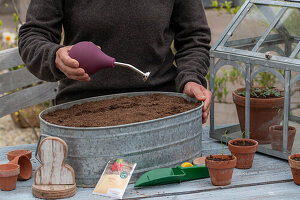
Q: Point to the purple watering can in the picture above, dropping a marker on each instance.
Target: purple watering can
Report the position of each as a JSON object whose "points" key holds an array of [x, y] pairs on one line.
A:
{"points": [[92, 59]]}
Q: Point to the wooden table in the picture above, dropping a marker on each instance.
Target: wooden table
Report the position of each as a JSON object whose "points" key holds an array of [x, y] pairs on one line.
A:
{"points": [[269, 178]]}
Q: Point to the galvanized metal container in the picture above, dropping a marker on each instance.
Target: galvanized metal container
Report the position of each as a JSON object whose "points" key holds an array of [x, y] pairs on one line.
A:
{"points": [[152, 144]]}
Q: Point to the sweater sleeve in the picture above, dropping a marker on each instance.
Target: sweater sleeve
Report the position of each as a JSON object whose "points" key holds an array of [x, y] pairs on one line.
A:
{"points": [[39, 38], [192, 42]]}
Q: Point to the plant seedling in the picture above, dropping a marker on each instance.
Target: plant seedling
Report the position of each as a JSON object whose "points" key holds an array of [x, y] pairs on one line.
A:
{"points": [[280, 110], [267, 92], [243, 137], [226, 138], [281, 114]]}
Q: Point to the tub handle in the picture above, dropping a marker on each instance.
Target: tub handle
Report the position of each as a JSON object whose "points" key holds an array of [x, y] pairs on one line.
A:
{"points": [[37, 147]]}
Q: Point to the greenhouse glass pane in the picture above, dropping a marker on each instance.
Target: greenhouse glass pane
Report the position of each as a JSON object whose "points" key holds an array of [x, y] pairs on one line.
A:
{"points": [[290, 21], [253, 26], [296, 50], [287, 35]]}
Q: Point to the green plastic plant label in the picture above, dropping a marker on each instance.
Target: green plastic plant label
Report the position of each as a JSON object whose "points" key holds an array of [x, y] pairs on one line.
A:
{"points": [[115, 178]]}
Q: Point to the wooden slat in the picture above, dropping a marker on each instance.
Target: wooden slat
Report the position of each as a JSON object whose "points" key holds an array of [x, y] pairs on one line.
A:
{"points": [[28, 97], [16, 79], [269, 178], [275, 191], [10, 58], [266, 171]]}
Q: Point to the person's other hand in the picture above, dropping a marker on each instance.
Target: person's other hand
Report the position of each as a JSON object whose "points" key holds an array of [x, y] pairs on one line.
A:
{"points": [[68, 66], [196, 90]]}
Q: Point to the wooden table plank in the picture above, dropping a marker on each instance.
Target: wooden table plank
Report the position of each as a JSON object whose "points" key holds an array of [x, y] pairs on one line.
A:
{"points": [[267, 172], [279, 191]]}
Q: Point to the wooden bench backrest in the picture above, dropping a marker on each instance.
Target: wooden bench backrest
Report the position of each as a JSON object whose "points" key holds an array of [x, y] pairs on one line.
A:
{"points": [[19, 81]]}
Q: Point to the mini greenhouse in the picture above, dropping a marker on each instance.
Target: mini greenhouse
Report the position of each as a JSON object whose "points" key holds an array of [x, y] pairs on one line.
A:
{"points": [[271, 43]]}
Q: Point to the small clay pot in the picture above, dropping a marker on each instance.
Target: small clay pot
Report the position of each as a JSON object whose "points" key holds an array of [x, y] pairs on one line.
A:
{"points": [[276, 133], [220, 172], [199, 161], [295, 167], [12, 154], [244, 154], [25, 167], [8, 176]]}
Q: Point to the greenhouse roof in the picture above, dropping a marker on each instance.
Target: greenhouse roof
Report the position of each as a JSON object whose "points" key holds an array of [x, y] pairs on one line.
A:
{"points": [[267, 31]]}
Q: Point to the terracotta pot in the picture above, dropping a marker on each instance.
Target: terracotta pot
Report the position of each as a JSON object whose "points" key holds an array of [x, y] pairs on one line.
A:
{"points": [[276, 133], [244, 154], [12, 154], [8, 176], [199, 161], [295, 167], [28, 117], [25, 167], [263, 114], [220, 172]]}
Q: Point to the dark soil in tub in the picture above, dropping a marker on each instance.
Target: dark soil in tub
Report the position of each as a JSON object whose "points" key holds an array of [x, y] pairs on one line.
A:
{"points": [[122, 110]]}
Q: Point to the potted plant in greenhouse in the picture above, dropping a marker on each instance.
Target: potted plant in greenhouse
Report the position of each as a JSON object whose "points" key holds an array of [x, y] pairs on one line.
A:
{"points": [[244, 150], [294, 162], [264, 105], [220, 167]]}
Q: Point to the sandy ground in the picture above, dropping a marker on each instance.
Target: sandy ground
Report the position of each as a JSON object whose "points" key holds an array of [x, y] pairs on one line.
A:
{"points": [[12, 135], [224, 113]]}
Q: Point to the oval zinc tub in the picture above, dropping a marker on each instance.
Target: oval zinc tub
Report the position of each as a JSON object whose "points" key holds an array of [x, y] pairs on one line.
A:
{"points": [[163, 142]]}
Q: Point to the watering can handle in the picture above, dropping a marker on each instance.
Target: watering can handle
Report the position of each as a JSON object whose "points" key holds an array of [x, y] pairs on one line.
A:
{"points": [[37, 147]]}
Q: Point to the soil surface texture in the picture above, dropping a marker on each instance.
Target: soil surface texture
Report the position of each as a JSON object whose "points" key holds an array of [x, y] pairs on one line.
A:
{"points": [[296, 158], [243, 143], [117, 111], [211, 157]]}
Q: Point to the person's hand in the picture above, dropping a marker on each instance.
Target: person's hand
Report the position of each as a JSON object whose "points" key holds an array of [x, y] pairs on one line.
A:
{"points": [[196, 90], [68, 66]]}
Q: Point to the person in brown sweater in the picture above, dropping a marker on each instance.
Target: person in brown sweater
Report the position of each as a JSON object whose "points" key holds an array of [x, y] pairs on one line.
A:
{"points": [[136, 32]]}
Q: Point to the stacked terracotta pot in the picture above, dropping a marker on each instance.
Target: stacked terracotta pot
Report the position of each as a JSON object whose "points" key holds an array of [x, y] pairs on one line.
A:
{"points": [[18, 168]]}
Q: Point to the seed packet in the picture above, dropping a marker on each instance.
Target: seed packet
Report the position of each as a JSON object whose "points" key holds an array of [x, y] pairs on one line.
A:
{"points": [[115, 178]]}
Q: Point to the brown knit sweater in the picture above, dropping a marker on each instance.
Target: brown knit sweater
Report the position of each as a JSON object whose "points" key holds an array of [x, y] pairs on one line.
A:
{"points": [[138, 32]]}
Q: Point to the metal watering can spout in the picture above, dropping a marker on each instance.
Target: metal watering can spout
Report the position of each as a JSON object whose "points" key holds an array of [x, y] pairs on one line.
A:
{"points": [[92, 59]]}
